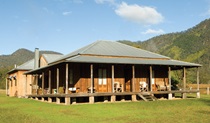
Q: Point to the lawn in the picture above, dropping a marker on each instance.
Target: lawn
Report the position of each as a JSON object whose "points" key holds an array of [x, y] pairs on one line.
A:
{"points": [[14, 110]]}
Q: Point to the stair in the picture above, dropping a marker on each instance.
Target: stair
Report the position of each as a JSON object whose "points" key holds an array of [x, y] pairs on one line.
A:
{"points": [[147, 96]]}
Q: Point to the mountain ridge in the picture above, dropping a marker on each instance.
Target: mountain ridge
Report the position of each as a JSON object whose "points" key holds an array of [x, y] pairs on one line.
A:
{"points": [[18, 57], [192, 45]]}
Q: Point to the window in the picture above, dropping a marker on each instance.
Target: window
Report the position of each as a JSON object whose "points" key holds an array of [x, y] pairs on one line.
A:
{"points": [[102, 77]]}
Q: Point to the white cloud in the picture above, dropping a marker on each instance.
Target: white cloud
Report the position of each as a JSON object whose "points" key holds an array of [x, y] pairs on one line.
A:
{"points": [[152, 31], [139, 14], [105, 1], [66, 13]]}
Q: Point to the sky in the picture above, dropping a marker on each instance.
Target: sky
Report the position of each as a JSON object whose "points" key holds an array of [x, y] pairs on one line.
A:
{"points": [[67, 25]]}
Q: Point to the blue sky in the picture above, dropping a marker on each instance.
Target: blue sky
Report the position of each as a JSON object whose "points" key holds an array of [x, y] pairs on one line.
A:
{"points": [[66, 25]]}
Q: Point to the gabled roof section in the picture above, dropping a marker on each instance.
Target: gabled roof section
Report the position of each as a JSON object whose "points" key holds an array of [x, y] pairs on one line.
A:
{"points": [[51, 57], [29, 65], [110, 48]]}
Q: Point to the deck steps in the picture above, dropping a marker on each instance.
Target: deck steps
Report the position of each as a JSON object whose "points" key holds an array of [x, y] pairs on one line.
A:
{"points": [[147, 96]]}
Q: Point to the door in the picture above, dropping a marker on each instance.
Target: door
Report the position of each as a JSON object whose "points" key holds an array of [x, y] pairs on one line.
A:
{"points": [[102, 80]]}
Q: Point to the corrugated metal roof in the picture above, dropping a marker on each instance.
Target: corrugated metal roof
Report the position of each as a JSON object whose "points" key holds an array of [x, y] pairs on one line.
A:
{"points": [[109, 48], [51, 57], [119, 60], [29, 65], [116, 53]]}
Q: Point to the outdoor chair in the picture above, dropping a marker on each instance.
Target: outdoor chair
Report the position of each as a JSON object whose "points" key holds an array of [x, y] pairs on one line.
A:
{"points": [[142, 86], [161, 88], [117, 87]]}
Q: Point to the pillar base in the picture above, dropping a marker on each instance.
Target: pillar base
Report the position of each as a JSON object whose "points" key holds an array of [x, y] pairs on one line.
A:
{"points": [[67, 101], [184, 96], [134, 97], [49, 99], [198, 95], [42, 99], [58, 100], [170, 97], [91, 99], [113, 98]]}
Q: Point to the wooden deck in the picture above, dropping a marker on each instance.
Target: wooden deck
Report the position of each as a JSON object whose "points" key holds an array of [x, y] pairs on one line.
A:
{"points": [[110, 94], [106, 97]]}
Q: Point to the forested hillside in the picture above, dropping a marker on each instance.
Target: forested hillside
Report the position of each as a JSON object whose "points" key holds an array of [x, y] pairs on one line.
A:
{"points": [[192, 45], [19, 57]]}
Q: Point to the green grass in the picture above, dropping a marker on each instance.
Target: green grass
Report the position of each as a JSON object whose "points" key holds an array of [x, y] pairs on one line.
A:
{"points": [[14, 110]]}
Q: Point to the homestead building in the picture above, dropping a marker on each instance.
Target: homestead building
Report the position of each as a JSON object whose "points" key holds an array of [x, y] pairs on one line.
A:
{"points": [[16, 81], [101, 71]]}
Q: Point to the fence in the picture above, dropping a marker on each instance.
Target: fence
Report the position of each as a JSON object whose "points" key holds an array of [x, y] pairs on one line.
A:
{"points": [[204, 88]]}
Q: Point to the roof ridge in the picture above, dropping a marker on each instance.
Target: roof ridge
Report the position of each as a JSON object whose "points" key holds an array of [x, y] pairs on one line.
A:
{"points": [[77, 52], [89, 46]]}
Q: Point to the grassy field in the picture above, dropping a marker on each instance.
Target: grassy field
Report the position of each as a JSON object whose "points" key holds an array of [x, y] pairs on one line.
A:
{"points": [[14, 110]]}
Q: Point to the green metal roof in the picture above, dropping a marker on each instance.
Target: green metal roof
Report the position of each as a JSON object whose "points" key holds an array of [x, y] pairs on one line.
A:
{"points": [[51, 57], [115, 52], [108, 52], [109, 48], [29, 65]]}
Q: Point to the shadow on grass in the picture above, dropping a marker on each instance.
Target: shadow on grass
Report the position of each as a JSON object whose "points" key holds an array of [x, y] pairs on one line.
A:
{"points": [[188, 96], [191, 96], [206, 101]]}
